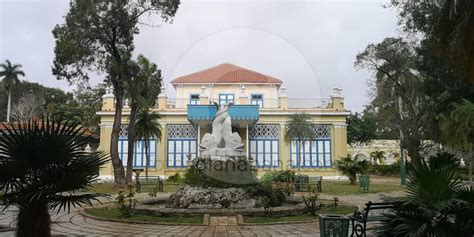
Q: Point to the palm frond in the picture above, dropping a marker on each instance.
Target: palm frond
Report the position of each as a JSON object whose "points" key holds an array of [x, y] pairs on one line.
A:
{"points": [[64, 202], [44, 160]]}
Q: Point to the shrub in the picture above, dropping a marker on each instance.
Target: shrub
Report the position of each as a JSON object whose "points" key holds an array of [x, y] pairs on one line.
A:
{"points": [[126, 203], [437, 204], [312, 203], [444, 160], [379, 169], [284, 176], [274, 196], [283, 180], [176, 178], [154, 191], [351, 167]]}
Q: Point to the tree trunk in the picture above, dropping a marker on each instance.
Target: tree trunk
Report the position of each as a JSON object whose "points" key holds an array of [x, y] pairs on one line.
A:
{"points": [[9, 104], [132, 132], [34, 220], [119, 172], [413, 149], [147, 156], [352, 179]]}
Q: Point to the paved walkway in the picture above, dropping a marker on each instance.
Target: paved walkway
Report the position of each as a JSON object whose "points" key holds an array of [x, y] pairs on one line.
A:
{"points": [[73, 224]]}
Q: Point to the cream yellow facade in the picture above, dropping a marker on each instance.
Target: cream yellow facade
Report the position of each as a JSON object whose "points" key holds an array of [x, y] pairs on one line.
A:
{"points": [[262, 133]]}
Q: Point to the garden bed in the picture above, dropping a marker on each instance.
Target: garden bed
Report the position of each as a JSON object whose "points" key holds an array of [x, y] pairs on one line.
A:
{"points": [[272, 219], [113, 214], [155, 207]]}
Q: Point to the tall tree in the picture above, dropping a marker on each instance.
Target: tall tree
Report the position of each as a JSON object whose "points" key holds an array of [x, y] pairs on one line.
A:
{"points": [[458, 131], [396, 87], [361, 128], [147, 127], [142, 91], [43, 166], [10, 73], [98, 35], [447, 24], [299, 129], [28, 108]]}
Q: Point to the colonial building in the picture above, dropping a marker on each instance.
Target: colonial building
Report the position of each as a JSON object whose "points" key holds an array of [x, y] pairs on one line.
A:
{"points": [[259, 114]]}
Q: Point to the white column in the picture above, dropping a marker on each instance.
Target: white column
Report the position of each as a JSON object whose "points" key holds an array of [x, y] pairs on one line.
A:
{"points": [[199, 140], [247, 141]]}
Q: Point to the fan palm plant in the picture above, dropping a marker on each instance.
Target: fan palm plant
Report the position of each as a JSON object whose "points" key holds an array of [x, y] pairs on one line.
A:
{"points": [[437, 204], [10, 73], [378, 156], [299, 129], [43, 166], [351, 167], [147, 127]]}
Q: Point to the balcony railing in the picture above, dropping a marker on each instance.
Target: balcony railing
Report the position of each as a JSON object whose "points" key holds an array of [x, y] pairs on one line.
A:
{"points": [[293, 103], [236, 112]]}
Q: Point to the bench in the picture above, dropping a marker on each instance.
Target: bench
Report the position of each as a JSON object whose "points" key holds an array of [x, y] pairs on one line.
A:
{"points": [[369, 214], [307, 183], [152, 183], [301, 182]]}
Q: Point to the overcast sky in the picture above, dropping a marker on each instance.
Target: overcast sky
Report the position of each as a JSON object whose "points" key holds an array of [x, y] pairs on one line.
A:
{"points": [[310, 45]]}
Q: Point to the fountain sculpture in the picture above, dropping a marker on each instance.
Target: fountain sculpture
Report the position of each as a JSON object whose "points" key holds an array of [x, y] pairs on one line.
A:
{"points": [[220, 173], [221, 144]]}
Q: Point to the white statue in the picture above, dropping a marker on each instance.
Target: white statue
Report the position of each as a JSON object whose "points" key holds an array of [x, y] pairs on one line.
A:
{"points": [[221, 143]]}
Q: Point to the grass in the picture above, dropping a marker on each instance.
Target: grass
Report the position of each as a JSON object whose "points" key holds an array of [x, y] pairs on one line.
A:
{"points": [[340, 210], [109, 188], [114, 214], [345, 188]]}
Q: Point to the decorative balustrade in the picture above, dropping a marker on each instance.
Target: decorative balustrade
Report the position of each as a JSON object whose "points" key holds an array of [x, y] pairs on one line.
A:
{"points": [[293, 103]]}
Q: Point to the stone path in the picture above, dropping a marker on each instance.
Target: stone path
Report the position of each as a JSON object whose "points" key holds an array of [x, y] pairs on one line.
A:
{"points": [[75, 224]]}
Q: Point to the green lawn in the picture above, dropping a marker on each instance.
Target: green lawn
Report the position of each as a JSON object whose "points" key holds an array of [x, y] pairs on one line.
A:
{"points": [[113, 214], [109, 188], [344, 187], [340, 210]]}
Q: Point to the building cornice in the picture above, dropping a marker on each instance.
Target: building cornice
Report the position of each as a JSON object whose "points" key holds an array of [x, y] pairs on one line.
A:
{"points": [[266, 113]]}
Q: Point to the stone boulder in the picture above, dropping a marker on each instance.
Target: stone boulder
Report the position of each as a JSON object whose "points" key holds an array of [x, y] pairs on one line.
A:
{"points": [[197, 197]]}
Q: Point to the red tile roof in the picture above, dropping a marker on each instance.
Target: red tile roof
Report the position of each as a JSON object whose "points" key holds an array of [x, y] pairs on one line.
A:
{"points": [[226, 73]]}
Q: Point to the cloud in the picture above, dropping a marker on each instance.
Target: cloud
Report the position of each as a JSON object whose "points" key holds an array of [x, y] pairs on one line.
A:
{"points": [[310, 45]]}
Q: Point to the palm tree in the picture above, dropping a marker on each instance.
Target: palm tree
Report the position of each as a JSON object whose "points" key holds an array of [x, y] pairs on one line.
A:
{"points": [[458, 130], [147, 127], [142, 91], [351, 167], [300, 129], [43, 166], [378, 156], [10, 73], [437, 204]]}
